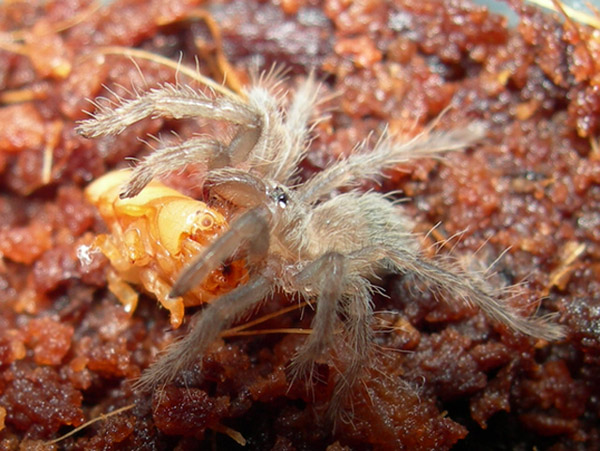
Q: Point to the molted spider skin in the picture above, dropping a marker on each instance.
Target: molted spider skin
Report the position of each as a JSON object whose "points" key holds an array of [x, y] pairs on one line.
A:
{"points": [[298, 237], [152, 237]]}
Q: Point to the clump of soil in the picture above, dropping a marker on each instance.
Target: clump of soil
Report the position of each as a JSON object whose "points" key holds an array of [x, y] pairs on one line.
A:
{"points": [[445, 375]]}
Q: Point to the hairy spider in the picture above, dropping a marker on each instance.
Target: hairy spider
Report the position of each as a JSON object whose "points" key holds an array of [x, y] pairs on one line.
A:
{"points": [[304, 238]]}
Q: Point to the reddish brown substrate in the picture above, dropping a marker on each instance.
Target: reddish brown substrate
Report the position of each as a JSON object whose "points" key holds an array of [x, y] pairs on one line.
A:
{"points": [[68, 351]]}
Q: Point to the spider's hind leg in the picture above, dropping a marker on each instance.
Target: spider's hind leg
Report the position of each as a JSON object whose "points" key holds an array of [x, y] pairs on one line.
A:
{"points": [[449, 276]]}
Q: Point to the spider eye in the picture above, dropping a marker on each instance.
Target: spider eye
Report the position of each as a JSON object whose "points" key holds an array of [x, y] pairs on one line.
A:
{"points": [[282, 200], [280, 197]]}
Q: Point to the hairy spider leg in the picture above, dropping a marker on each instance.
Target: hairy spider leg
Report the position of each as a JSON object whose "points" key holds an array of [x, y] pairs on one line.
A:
{"points": [[358, 310], [468, 287], [168, 100], [338, 289], [206, 326], [250, 231], [368, 164], [326, 276], [179, 102]]}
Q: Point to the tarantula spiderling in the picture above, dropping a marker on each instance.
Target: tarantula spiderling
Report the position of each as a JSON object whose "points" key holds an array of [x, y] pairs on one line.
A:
{"points": [[300, 238]]}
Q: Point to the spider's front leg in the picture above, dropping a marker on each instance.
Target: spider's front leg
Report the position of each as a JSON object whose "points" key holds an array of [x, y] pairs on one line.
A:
{"points": [[168, 100], [251, 232], [179, 102], [206, 326]]}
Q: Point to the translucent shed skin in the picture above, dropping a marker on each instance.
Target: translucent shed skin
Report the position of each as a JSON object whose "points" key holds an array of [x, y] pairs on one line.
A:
{"points": [[152, 237]]}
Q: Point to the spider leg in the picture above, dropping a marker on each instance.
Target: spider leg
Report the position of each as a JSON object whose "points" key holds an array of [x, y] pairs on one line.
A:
{"points": [[469, 287], [251, 230], [206, 326], [171, 158], [174, 101], [193, 151], [298, 116], [325, 276], [359, 314], [364, 165], [296, 131], [337, 290]]}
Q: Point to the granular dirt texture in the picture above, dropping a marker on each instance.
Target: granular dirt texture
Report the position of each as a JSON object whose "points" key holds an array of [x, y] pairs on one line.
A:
{"points": [[445, 376]]}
